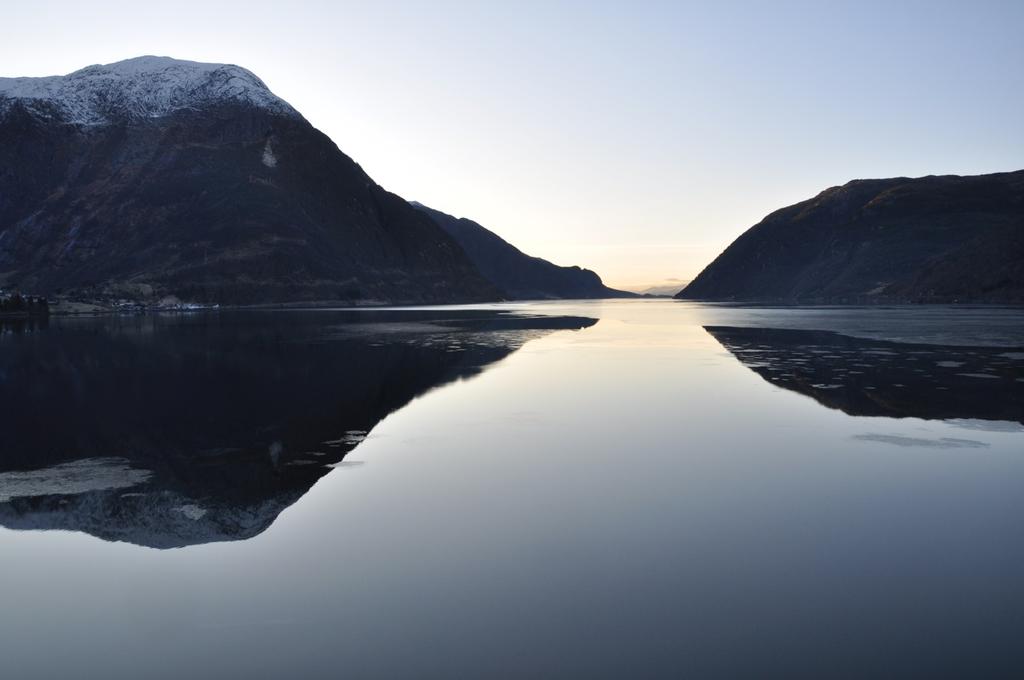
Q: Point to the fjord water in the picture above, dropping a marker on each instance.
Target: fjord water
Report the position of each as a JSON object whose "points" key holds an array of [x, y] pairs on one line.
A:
{"points": [[602, 489]]}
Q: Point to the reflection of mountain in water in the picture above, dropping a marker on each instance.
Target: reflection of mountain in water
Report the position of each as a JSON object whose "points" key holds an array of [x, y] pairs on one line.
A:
{"points": [[877, 378], [172, 431]]}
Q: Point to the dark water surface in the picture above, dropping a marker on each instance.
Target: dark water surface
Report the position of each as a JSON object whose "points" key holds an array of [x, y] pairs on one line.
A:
{"points": [[617, 489]]}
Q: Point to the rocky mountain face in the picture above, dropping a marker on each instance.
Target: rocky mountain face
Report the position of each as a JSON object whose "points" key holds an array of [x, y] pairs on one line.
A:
{"points": [[932, 239], [155, 177], [519, 275]]}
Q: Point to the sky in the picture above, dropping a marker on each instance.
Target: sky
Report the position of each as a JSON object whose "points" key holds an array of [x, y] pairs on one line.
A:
{"points": [[637, 139]]}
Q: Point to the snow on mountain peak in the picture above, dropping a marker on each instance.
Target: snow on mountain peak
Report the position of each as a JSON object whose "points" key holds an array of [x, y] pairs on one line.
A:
{"points": [[143, 87]]}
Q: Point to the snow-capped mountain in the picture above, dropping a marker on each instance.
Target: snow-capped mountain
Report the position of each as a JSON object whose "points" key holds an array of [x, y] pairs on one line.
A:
{"points": [[155, 177], [144, 87]]}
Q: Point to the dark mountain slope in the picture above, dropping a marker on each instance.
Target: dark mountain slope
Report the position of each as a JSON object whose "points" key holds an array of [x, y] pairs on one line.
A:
{"points": [[932, 239], [156, 177], [521, 276]]}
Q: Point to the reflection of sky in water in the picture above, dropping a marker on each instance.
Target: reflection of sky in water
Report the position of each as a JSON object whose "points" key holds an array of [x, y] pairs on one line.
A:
{"points": [[627, 500]]}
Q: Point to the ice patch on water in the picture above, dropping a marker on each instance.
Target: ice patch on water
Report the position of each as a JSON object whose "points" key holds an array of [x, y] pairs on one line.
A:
{"points": [[942, 443], [986, 425], [76, 477]]}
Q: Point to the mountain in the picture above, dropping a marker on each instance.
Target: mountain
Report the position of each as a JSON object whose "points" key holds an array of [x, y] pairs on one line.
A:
{"points": [[931, 239], [154, 176], [519, 275], [664, 289]]}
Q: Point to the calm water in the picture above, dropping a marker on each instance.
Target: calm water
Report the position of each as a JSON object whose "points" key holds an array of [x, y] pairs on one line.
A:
{"points": [[609, 489]]}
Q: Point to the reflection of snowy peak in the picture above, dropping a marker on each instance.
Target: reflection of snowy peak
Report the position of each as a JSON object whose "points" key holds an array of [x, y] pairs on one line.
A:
{"points": [[144, 87], [159, 518]]}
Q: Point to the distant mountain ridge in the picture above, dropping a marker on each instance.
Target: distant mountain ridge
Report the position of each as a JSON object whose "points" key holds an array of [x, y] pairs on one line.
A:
{"points": [[159, 177], [664, 289], [932, 239], [520, 276]]}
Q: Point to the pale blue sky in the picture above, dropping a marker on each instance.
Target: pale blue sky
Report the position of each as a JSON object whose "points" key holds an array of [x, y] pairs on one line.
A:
{"points": [[636, 138]]}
